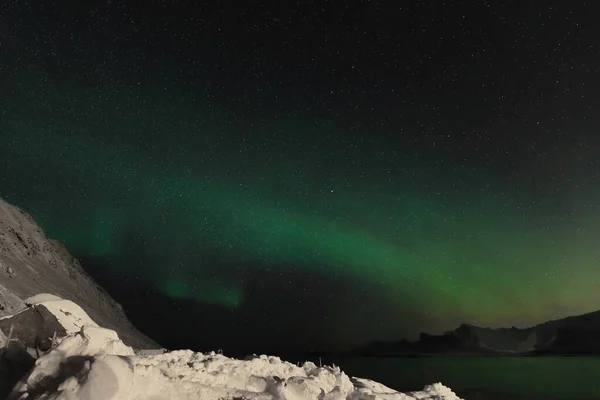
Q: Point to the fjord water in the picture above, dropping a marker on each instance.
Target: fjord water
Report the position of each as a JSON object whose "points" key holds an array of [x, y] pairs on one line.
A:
{"points": [[485, 378]]}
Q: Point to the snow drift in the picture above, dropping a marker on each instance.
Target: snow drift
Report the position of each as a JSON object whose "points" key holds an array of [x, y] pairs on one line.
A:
{"points": [[91, 362]]}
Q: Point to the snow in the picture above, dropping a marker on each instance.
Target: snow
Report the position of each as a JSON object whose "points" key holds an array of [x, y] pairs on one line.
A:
{"points": [[93, 363], [69, 315], [41, 298], [3, 340]]}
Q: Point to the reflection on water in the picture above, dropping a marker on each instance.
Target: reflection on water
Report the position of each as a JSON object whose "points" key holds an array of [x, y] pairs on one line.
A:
{"points": [[485, 378]]}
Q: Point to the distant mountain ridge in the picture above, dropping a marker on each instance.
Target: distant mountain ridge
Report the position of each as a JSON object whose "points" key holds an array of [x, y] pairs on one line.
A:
{"points": [[30, 263], [572, 335]]}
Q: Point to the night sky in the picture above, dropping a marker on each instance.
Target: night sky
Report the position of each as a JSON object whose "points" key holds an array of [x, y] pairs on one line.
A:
{"points": [[302, 175]]}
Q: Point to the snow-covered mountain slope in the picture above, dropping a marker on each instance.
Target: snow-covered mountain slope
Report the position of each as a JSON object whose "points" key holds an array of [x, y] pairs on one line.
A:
{"points": [[93, 363], [30, 263]]}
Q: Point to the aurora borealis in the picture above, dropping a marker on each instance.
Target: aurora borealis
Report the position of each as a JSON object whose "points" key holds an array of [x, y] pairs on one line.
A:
{"points": [[269, 182]]}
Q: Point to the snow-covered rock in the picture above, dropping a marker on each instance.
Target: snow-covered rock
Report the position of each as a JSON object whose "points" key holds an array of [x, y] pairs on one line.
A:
{"points": [[93, 363], [31, 263], [71, 317], [45, 317]]}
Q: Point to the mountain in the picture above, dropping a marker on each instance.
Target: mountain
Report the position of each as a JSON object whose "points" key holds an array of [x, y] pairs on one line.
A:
{"points": [[572, 335], [31, 263]]}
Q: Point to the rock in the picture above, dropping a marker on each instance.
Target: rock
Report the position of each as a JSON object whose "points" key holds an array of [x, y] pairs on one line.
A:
{"points": [[35, 327]]}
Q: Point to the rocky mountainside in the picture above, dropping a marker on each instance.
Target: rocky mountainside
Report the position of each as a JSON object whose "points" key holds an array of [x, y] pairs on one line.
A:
{"points": [[30, 263], [573, 335]]}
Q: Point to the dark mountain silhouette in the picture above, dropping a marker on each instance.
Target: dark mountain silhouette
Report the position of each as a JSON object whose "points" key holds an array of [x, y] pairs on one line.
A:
{"points": [[572, 335]]}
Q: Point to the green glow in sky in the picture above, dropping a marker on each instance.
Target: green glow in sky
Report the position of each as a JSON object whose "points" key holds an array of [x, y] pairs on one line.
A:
{"points": [[454, 249]]}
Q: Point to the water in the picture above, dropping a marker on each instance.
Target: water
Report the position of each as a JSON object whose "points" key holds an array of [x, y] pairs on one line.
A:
{"points": [[485, 378]]}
